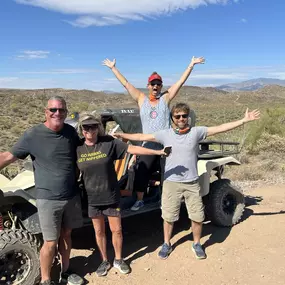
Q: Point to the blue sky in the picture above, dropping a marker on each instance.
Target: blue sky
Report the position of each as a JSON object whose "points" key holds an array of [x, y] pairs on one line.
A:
{"points": [[52, 43]]}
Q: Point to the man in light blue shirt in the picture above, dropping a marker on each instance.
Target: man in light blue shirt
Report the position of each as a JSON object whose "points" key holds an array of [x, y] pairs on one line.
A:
{"points": [[181, 174]]}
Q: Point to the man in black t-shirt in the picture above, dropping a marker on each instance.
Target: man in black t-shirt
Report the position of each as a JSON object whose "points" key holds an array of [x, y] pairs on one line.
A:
{"points": [[52, 147]]}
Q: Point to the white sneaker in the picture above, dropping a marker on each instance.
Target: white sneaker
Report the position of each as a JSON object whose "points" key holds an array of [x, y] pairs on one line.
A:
{"points": [[138, 204]]}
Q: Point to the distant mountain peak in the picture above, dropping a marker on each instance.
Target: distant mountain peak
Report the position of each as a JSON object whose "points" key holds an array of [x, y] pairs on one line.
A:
{"points": [[251, 85]]}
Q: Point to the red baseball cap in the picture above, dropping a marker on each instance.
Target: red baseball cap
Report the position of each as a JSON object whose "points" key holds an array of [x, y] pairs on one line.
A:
{"points": [[154, 76]]}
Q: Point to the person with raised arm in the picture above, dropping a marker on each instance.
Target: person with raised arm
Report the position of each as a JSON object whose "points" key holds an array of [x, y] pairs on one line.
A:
{"points": [[154, 115], [181, 174]]}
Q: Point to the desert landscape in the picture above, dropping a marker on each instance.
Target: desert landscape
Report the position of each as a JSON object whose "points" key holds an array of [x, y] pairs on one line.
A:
{"points": [[251, 252], [262, 143]]}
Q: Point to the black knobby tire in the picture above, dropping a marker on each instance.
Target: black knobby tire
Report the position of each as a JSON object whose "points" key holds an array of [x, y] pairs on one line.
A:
{"points": [[19, 257], [225, 203]]}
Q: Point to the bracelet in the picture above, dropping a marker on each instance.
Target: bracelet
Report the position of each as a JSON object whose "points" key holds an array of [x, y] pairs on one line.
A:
{"points": [[190, 67], [125, 83]]}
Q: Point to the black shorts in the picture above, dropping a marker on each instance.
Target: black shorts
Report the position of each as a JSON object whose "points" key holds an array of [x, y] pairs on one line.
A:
{"points": [[106, 210]]}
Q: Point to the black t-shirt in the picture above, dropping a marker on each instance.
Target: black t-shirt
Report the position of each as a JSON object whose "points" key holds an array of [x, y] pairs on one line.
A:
{"points": [[54, 160], [96, 164]]}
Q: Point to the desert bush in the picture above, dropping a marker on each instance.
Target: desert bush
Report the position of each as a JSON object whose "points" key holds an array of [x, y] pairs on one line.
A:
{"points": [[269, 130], [245, 173], [268, 143], [17, 130]]}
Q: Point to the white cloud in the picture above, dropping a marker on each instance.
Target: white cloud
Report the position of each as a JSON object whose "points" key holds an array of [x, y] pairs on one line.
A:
{"points": [[33, 54], [111, 79], [243, 20], [5, 80], [27, 83], [116, 12], [278, 75], [219, 76], [87, 21], [62, 71]]}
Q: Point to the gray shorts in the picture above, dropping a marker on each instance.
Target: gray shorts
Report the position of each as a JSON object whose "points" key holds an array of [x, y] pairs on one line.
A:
{"points": [[172, 195], [107, 210], [55, 215]]}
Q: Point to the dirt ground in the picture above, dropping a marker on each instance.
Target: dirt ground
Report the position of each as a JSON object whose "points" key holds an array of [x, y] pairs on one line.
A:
{"points": [[252, 252]]}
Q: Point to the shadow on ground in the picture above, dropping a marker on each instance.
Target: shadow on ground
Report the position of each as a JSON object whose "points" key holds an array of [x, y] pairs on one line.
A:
{"points": [[143, 234]]}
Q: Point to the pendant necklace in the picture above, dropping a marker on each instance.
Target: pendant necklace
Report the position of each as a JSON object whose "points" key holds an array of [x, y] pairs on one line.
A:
{"points": [[153, 113]]}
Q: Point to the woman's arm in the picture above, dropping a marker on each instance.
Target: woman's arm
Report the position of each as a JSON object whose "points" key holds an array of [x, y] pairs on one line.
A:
{"points": [[135, 137], [134, 92], [174, 89], [138, 150]]}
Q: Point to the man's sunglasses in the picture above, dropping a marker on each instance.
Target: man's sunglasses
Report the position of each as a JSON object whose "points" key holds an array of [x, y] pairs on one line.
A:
{"points": [[60, 110], [177, 117], [153, 83], [87, 128]]}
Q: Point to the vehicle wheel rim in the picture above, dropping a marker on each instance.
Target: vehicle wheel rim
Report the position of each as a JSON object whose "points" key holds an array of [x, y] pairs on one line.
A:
{"points": [[229, 204], [15, 266]]}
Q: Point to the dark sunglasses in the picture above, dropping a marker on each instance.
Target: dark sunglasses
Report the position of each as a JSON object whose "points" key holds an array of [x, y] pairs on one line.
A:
{"points": [[177, 117], [60, 110], [158, 83], [87, 128]]}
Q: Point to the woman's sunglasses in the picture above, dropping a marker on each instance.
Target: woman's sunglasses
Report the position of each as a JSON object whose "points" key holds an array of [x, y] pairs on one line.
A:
{"points": [[177, 117], [156, 82], [87, 128]]}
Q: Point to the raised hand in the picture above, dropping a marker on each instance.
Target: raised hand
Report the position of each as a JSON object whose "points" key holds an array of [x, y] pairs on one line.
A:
{"points": [[107, 62], [197, 60], [251, 116]]}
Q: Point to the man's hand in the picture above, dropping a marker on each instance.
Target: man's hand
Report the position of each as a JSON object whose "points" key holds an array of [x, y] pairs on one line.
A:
{"points": [[109, 63], [251, 116], [197, 60]]}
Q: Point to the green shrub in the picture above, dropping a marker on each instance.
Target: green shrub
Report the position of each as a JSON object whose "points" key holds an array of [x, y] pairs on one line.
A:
{"points": [[270, 124]]}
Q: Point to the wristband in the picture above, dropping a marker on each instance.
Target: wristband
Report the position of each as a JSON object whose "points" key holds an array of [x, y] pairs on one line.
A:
{"points": [[125, 83]]}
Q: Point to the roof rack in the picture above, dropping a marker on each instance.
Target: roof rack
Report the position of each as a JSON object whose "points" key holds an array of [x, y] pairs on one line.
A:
{"points": [[216, 149]]}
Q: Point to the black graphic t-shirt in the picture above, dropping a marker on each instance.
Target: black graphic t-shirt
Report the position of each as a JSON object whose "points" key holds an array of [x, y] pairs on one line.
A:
{"points": [[96, 164]]}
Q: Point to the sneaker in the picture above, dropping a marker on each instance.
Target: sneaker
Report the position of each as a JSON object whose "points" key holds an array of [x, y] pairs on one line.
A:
{"points": [[70, 278], [48, 282], [138, 204], [199, 251], [122, 266], [165, 251], [103, 268]]}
